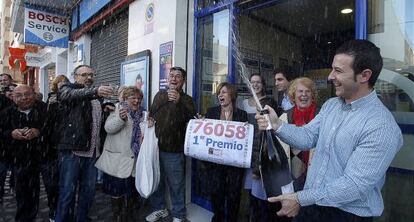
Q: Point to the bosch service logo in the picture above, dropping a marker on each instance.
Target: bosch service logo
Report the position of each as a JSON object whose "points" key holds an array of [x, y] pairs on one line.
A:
{"points": [[48, 36], [149, 12]]}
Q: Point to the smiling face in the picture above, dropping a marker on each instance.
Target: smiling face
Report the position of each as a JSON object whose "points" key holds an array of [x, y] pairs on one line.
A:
{"points": [[257, 84], [84, 75], [175, 80], [24, 97], [303, 96], [134, 101], [224, 97], [345, 81]]}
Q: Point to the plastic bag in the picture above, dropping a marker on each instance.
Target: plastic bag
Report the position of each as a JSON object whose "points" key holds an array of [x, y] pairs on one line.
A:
{"points": [[147, 171]]}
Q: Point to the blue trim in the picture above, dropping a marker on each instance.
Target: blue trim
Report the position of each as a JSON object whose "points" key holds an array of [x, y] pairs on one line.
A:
{"points": [[361, 19], [46, 9], [30, 37], [407, 128], [212, 9], [260, 6], [400, 170], [196, 78], [231, 76]]}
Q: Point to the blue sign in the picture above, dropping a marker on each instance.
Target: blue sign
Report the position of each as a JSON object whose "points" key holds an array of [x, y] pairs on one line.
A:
{"points": [[88, 8], [45, 28], [75, 18]]}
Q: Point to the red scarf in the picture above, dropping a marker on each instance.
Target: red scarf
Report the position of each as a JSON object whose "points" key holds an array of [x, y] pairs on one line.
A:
{"points": [[302, 117]]}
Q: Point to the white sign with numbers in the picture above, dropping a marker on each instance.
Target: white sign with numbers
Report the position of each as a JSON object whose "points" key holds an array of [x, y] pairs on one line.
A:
{"points": [[219, 141]]}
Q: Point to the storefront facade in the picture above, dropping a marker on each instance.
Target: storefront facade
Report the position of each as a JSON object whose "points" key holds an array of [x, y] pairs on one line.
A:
{"points": [[302, 36]]}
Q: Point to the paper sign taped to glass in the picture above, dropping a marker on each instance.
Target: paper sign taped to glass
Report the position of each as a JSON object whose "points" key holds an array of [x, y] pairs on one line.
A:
{"points": [[219, 141]]}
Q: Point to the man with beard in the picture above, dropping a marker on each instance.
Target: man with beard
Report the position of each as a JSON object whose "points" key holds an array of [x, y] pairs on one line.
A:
{"points": [[356, 138], [78, 141]]}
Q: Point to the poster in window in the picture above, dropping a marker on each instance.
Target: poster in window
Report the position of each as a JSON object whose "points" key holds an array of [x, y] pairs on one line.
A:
{"points": [[135, 72], [166, 50]]}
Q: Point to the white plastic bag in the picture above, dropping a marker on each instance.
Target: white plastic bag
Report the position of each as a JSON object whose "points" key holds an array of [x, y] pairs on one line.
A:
{"points": [[147, 171]]}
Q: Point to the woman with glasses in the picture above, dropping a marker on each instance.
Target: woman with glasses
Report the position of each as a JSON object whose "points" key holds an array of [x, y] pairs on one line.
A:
{"points": [[121, 149], [260, 208]]}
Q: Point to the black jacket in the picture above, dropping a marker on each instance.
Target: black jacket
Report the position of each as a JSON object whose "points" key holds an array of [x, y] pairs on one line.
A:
{"points": [[4, 103], [22, 152], [74, 117]]}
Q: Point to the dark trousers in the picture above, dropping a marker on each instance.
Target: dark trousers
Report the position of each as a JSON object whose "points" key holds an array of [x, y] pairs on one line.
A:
{"points": [[264, 211], [315, 213], [27, 192], [3, 173], [225, 195], [50, 176]]}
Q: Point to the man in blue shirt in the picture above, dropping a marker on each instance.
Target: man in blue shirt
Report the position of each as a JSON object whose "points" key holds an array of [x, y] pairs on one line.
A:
{"points": [[356, 138]]}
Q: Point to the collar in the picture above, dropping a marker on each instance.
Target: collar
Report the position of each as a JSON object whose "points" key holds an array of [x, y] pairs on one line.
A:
{"points": [[361, 102]]}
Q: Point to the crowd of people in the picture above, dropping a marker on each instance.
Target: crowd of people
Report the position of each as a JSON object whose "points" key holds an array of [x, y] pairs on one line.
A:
{"points": [[338, 152]]}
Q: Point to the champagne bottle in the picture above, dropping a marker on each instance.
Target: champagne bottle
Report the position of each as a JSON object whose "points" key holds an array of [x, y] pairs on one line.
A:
{"points": [[273, 164]]}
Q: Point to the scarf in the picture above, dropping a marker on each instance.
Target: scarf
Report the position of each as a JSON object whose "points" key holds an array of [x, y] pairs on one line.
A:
{"points": [[136, 130], [302, 117]]}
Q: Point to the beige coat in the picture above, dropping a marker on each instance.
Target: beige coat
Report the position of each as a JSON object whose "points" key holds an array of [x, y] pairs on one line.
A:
{"points": [[117, 158]]}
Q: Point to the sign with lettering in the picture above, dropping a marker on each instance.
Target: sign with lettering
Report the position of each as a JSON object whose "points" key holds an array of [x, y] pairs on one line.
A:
{"points": [[219, 141], [45, 28]]}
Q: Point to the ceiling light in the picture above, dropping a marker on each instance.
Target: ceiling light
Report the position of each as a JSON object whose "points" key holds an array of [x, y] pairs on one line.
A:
{"points": [[346, 11]]}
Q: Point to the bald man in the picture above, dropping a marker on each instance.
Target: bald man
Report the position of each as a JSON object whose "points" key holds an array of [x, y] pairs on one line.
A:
{"points": [[21, 130]]}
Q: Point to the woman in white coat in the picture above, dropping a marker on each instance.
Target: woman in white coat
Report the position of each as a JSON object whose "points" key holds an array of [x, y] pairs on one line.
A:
{"points": [[121, 148]]}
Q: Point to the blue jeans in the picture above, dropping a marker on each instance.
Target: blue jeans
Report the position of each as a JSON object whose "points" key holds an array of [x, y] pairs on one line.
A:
{"points": [[172, 172], [75, 170]]}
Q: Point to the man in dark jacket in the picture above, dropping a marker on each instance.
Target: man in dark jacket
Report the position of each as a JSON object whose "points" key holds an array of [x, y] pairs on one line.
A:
{"points": [[78, 142], [22, 129], [4, 103], [171, 110]]}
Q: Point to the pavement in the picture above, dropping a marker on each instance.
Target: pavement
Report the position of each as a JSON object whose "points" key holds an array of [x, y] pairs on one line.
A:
{"points": [[100, 211]]}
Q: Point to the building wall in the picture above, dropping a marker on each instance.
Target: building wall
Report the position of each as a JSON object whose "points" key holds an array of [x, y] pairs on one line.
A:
{"points": [[6, 36], [169, 24]]}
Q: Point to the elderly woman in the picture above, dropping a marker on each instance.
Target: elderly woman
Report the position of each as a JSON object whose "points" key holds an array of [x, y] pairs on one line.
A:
{"points": [[121, 148], [225, 182], [302, 92]]}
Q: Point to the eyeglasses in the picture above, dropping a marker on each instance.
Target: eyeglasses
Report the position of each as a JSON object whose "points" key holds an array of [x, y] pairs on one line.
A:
{"points": [[255, 82], [19, 96], [90, 74], [134, 98]]}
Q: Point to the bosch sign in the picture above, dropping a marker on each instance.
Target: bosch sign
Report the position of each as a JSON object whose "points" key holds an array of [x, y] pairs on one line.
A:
{"points": [[44, 28]]}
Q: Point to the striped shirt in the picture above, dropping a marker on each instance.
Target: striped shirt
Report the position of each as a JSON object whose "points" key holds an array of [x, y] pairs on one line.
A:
{"points": [[355, 144], [95, 134]]}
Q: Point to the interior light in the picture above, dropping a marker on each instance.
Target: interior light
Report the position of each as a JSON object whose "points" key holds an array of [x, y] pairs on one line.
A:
{"points": [[346, 11]]}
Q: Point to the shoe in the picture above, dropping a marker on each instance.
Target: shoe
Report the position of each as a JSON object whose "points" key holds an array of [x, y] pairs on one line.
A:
{"points": [[156, 215], [178, 220]]}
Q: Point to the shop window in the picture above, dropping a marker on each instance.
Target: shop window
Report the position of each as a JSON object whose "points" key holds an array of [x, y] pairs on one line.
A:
{"points": [[390, 27]]}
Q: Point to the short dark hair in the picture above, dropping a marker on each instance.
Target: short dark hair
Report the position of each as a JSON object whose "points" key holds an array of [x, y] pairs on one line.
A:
{"points": [[80, 66], [177, 68], [8, 75], [138, 77], [366, 56], [286, 72]]}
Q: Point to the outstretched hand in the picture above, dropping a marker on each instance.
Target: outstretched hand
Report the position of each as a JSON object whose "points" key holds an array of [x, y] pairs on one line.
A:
{"points": [[290, 204]]}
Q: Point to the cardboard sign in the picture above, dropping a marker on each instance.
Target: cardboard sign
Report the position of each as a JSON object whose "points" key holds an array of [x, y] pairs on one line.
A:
{"points": [[219, 141]]}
